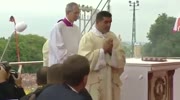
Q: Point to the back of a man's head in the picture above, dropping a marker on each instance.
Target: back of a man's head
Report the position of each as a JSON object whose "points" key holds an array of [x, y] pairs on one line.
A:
{"points": [[75, 69], [54, 74], [42, 76]]}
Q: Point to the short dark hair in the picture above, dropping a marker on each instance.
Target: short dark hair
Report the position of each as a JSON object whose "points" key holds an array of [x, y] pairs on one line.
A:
{"points": [[74, 69], [41, 76], [102, 14], [54, 74]]}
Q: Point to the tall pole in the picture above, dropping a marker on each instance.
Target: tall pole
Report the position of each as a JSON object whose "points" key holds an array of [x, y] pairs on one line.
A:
{"points": [[108, 6], [80, 22], [12, 19], [134, 4], [91, 16], [133, 29], [84, 21]]}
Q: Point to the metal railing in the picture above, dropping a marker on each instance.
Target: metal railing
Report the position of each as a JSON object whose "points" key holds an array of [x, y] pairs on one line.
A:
{"points": [[38, 62], [25, 62]]}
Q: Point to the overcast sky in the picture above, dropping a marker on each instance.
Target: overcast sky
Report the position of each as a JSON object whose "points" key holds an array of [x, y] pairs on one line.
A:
{"points": [[40, 15]]}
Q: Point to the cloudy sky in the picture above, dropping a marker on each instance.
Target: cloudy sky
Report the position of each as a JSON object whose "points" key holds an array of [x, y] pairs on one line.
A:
{"points": [[40, 15]]}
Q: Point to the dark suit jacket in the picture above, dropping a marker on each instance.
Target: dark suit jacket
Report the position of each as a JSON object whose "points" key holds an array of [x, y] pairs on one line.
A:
{"points": [[60, 92], [84, 93], [9, 91], [35, 94]]}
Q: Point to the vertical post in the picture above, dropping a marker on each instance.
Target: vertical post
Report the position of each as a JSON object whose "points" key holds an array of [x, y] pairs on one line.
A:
{"points": [[91, 16], [134, 4], [12, 19], [84, 21], [108, 6], [18, 51], [80, 18], [133, 30], [80, 21]]}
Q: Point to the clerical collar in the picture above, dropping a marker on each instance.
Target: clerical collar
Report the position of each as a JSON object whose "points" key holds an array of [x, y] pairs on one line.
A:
{"points": [[73, 89], [98, 33], [66, 21]]}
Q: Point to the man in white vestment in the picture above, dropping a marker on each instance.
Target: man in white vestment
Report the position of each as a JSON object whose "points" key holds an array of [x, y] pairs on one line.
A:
{"points": [[65, 36], [107, 58]]}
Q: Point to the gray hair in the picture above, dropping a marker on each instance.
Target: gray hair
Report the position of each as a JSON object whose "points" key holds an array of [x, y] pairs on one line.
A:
{"points": [[69, 7]]}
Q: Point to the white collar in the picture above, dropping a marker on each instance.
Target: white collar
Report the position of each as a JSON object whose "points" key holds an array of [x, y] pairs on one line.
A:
{"points": [[98, 33], [73, 89]]}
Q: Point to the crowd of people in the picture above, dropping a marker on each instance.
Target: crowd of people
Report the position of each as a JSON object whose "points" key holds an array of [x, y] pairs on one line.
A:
{"points": [[29, 82]]}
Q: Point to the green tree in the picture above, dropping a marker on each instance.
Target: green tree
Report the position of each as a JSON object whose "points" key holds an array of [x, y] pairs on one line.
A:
{"points": [[3, 42], [163, 41], [127, 49], [30, 47], [146, 49]]}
